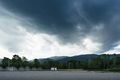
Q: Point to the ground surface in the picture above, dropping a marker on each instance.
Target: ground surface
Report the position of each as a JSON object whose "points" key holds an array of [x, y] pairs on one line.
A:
{"points": [[59, 75]]}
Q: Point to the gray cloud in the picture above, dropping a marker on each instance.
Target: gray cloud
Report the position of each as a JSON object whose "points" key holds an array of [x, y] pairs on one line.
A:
{"points": [[73, 20], [10, 33]]}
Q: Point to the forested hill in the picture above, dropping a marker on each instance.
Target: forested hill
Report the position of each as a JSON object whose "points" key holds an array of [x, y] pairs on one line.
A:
{"points": [[77, 58]]}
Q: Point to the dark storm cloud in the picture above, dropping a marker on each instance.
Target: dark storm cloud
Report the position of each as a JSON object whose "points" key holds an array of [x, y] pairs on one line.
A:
{"points": [[73, 19]]}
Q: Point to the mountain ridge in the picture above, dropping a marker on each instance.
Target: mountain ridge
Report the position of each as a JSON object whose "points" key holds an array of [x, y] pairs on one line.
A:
{"points": [[84, 57]]}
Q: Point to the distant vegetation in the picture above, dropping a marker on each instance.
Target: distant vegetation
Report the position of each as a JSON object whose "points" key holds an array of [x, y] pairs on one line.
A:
{"points": [[92, 62]]}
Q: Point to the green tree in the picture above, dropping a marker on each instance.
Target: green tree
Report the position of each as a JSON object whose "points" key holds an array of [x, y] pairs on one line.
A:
{"points": [[36, 63], [6, 62], [16, 61], [25, 62]]}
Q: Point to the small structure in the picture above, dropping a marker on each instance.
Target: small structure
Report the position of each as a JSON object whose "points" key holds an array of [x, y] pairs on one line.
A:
{"points": [[53, 68], [10, 68], [1, 68]]}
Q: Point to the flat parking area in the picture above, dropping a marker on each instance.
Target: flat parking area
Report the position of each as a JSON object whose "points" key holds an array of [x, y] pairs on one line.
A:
{"points": [[59, 75]]}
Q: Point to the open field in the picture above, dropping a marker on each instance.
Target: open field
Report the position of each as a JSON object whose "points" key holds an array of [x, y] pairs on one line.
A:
{"points": [[59, 75]]}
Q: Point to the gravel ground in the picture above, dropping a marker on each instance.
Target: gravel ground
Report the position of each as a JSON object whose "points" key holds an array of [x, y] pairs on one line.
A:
{"points": [[59, 75]]}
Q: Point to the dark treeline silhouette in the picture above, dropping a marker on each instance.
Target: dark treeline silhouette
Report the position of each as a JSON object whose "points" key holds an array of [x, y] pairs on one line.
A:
{"points": [[18, 62], [102, 62]]}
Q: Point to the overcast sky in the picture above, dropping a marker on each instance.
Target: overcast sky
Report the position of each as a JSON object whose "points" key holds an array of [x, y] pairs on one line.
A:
{"points": [[45, 28]]}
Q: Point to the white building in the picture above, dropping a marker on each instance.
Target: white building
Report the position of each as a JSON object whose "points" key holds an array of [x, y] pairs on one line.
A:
{"points": [[53, 68]]}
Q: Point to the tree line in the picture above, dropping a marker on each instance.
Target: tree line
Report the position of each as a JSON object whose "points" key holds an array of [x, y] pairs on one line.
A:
{"points": [[18, 62], [102, 62]]}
